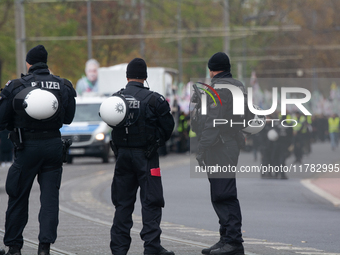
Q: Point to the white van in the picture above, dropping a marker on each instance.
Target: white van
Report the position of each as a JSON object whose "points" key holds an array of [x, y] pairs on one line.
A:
{"points": [[90, 135], [160, 79]]}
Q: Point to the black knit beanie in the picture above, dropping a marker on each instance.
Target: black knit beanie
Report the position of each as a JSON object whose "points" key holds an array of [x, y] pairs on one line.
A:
{"points": [[219, 62], [136, 69], [36, 55]]}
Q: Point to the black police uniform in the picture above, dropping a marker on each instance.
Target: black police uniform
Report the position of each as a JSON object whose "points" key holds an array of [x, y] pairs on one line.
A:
{"points": [[41, 155], [266, 148], [280, 147], [137, 166], [221, 145]]}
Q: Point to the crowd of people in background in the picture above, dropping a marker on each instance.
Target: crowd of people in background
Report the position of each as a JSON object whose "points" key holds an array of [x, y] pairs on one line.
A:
{"points": [[276, 143]]}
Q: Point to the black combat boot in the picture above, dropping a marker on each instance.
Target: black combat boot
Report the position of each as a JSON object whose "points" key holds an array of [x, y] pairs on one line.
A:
{"points": [[162, 252], [14, 250], [217, 245], [229, 249], [44, 249]]}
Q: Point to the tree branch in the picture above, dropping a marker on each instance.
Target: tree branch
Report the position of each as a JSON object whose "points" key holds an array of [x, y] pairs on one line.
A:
{"points": [[8, 5]]}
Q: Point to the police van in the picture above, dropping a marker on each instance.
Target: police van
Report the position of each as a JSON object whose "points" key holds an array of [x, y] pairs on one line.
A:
{"points": [[90, 135]]}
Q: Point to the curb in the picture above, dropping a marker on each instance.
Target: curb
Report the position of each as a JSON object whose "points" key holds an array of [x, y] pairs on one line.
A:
{"points": [[312, 187]]}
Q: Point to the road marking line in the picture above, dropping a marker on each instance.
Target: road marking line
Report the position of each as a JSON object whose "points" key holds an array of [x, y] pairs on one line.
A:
{"points": [[207, 234], [317, 253], [102, 176], [135, 230], [290, 248], [268, 243], [82, 198], [33, 244]]}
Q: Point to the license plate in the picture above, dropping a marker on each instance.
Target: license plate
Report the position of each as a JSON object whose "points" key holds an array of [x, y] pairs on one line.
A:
{"points": [[76, 151]]}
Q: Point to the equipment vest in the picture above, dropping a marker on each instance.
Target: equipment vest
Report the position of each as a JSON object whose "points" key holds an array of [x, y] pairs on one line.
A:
{"points": [[301, 125], [52, 84], [138, 130], [333, 124], [183, 124]]}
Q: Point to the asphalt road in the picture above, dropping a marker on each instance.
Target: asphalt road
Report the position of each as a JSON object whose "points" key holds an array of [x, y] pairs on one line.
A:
{"points": [[279, 216]]}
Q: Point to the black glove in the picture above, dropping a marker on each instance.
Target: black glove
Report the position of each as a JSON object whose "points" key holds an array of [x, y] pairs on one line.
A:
{"points": [[66, 144], [200, 155], [15, 137]]}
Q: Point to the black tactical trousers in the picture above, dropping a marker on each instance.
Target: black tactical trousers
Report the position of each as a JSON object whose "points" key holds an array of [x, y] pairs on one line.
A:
{"points": [[44, 159], [298, 147], [134, 170], [223, 190]]}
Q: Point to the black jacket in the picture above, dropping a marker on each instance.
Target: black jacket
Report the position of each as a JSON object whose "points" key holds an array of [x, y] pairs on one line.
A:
{"points": [[155, 117], [7, 113], [209, 134]]}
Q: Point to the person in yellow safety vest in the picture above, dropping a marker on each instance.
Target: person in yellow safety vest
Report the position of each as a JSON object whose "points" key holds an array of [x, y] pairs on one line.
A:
{"points": [[183, 124], [333, 130], [183, 142], [309, 119], [308, 135], [301, 124]]}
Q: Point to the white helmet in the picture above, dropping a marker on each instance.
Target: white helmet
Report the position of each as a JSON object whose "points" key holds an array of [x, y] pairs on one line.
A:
{"points": [[114, 110], [256, 124], [36, 103], [272, 135]]}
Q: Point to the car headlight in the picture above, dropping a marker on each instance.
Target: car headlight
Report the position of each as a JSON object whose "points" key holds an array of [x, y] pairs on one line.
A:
{"points": [[100, 136]]}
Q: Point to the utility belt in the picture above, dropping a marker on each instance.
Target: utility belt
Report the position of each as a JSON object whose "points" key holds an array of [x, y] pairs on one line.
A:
{"points": [[18, 136], [149, 150], [40, 135]]}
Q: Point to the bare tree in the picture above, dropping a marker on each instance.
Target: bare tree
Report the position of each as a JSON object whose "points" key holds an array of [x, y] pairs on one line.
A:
{"points": [[5, 7]]}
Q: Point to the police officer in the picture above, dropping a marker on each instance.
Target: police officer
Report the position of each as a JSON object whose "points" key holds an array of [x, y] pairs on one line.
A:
{"points": [[266, 148], [282, 145], [38, 148], [299, 132], [333, 130], [220, 145], [137, 163]]}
